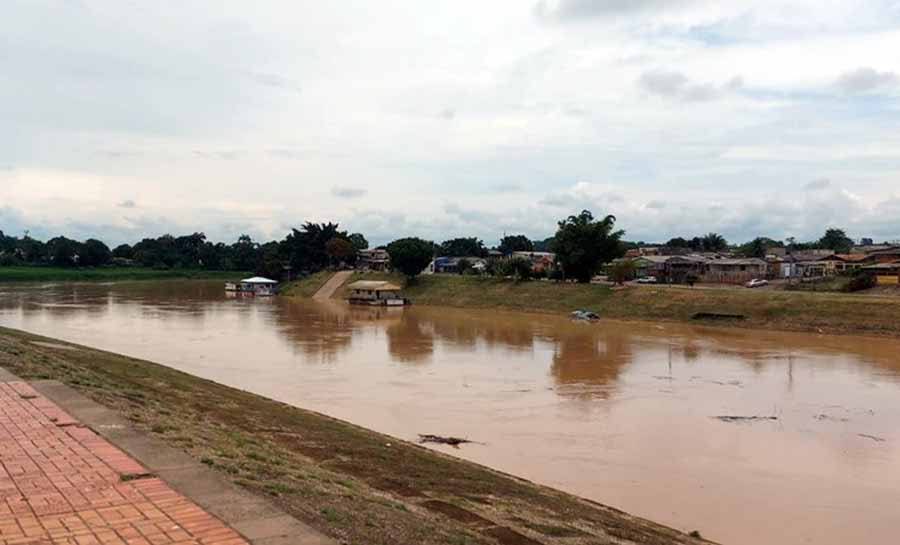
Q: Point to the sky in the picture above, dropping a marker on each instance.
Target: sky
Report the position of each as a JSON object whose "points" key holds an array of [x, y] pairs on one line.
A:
{"points": [[124, 119]]}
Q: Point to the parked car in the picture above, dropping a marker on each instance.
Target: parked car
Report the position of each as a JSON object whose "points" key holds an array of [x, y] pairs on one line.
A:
{"points": [[756, 283], [646, 280]]}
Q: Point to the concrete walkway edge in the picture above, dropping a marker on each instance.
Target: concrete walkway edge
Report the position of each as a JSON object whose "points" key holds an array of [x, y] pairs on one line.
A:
{"points": [[333, 284], [257, 519]]}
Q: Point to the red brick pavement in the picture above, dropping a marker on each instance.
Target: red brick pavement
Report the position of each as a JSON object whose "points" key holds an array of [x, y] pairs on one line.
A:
{"points": [[61, 483]]}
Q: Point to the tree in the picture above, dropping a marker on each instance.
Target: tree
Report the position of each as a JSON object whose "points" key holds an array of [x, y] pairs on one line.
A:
{"points": [[519, 268], [410, 256], [678, 242], [866, 241], [543, 245], [622, 271], [714, 242], [305, 247], [755, 248], [582, 244], [339, 250], [63, 252], [123, 251], [836, 240], [245, 253], [515, 243], [463, 247], [94, 253], [358, 241]]}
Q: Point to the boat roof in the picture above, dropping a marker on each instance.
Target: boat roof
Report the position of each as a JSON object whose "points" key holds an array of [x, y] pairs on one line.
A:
{"points": [[373, 285], [258, 280]]}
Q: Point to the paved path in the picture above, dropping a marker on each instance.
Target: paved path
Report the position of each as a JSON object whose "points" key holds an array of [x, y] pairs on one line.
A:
{"points": [[332, 285], [60, 483]]}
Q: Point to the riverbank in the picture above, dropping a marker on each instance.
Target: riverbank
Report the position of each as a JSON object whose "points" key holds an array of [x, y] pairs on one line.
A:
{"points": [[108, 274], [765, 309], [350, 483]]}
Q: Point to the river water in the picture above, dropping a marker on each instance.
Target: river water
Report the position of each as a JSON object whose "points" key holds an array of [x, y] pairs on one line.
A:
{"points": [[621, 413]]}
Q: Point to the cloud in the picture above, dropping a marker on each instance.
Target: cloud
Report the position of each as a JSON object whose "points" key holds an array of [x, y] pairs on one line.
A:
{"points": [[817, 185], [344, 192], [506, 188], [677, 86], [127, 203], [448, 113], [864, 80], [227, 155], [274, 80], [577, 10]]}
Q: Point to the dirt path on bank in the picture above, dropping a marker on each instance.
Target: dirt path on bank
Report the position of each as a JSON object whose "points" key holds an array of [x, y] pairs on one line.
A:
{"points": [[332, 285]]}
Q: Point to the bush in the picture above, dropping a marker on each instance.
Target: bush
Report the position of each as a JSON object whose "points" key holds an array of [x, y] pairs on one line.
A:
{"points": [[861, 281]]}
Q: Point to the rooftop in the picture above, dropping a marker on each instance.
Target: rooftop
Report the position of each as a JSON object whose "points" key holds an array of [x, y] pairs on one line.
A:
{"points": [[373, 285]]}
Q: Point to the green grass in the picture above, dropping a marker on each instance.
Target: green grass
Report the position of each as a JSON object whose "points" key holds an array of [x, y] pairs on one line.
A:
{"points": [[106, 274], [775, 309], [307, 286]]}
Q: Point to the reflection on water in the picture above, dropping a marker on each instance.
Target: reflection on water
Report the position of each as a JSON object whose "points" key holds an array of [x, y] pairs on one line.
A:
{"points": [[617, 412]]}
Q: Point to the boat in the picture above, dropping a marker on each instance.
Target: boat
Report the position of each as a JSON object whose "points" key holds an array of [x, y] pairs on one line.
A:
{"points": [[257, 285], [376, 293]]}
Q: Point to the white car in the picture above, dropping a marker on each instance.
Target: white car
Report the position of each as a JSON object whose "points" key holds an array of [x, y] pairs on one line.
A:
{"points": [[756, 283], [647, 280]]}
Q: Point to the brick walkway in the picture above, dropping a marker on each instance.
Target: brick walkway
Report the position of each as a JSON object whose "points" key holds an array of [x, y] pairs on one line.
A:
{"points": [[60, 483]]}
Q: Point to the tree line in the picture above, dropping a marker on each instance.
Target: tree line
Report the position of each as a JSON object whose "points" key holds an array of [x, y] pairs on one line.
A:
{"points": [[312, 247]]}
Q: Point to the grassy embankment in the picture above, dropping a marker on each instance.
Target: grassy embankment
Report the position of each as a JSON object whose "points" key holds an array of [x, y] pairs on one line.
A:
{"points": [[107, 274], [308, 286], [772, 309], [358, 486]]}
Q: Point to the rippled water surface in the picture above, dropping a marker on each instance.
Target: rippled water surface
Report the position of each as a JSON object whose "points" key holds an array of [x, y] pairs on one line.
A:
{"points": [[622, 413]]}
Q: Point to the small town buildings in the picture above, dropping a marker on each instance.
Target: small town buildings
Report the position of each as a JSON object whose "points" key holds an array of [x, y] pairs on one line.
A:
{"points": [[375, 292], [451, 265], [736, 271], [887, 274], [373, 260], [845, 263], [885, 255], [540, 261]]}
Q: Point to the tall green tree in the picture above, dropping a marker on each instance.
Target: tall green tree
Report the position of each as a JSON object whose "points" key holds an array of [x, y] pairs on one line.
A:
{"points": [[410, 256], [463, 247], [94, 253], [714, 242], [515, 243], [837, 240], [582, 244], [358, 241], [63, 252]]}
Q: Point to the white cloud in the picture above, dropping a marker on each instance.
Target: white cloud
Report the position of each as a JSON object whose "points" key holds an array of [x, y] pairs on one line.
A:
{"points": [[239, 119]]}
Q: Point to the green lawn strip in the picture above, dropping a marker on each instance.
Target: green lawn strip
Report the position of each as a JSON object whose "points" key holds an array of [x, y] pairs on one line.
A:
{"points": [[354, 484], [826, 312]]}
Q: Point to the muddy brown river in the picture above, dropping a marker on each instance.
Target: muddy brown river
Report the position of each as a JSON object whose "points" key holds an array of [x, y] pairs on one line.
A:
{"points": [[621, 413]]}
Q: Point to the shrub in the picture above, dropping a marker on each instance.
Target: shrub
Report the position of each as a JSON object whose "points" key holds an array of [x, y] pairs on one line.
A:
{"points": [[861, 281]]}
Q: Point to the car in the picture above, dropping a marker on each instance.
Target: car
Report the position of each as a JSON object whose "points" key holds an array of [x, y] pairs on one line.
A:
{"points": [[756, 283], [647, 280]]}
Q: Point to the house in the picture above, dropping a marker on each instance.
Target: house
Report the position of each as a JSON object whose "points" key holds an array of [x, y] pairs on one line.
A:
{"points": [[682, 269], [736, 271], [845, 263], [885, 255], [375, 292], [450, 265], [811, 263], [650, 265], [373, 260], [540, 261], [887, 274]]}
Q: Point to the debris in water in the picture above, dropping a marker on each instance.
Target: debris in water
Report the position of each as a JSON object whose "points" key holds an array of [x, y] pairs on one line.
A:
{"points": [[872, 437], [821, 417], [452, 441], [729, 418], [585, 316]]}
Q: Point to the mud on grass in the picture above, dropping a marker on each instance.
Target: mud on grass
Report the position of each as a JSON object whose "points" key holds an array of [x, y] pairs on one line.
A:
{"points": [[353, 484]]}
